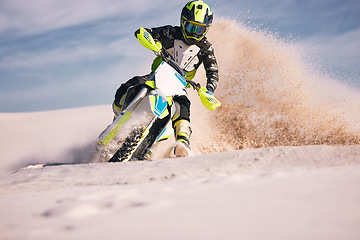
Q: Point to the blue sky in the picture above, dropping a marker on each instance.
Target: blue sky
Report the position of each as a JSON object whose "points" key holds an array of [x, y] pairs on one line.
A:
{"points": [[57, 54]]}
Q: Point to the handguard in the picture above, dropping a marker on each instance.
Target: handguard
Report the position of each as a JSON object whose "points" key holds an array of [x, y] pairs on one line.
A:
{"points": [[208, 100], [146, 40]]}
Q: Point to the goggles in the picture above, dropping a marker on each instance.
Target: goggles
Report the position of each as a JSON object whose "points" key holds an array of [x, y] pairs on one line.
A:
{"points": [[194, 28]]}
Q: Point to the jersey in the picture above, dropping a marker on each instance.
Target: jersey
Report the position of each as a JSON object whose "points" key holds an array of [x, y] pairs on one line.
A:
{"points": [[189, 57]]}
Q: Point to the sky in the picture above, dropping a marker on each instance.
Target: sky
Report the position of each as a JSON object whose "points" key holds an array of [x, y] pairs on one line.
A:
{"points": [[58, 54]]}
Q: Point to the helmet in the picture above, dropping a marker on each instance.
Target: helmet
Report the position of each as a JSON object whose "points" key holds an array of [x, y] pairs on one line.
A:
{"points": [[196, 18]]}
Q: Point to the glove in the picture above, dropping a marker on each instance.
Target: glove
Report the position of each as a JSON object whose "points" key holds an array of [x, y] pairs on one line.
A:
{"points": [[210, 92], [188, 85]]}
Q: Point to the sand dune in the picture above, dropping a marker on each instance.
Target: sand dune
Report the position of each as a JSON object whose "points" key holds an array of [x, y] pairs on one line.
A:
{"points": [[274, 193]]}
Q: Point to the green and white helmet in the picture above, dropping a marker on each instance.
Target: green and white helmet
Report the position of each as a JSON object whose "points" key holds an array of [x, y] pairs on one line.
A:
{"points": [[196, 18]]}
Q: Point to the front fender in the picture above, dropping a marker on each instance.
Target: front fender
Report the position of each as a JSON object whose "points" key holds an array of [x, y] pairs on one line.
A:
{"points": [[158, 104]]}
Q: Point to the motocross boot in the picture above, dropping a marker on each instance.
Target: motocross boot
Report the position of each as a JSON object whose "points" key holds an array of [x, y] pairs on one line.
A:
{"points": [[182, 134]]}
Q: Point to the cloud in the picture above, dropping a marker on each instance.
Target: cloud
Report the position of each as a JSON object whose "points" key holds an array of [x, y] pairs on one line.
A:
{"points": [[341, 51], [65, 55], [81, 43], [37, 16], [344, 45]]}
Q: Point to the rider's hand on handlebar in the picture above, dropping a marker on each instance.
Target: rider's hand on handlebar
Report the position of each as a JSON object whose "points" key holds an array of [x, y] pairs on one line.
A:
{"points": [[210, 92]]}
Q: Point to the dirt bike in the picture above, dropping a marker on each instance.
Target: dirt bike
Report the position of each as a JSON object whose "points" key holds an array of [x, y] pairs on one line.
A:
{"points": [[148, 108]]}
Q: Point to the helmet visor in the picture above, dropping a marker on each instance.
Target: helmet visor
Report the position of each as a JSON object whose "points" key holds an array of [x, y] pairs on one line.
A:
{"points": [[193, 28]]}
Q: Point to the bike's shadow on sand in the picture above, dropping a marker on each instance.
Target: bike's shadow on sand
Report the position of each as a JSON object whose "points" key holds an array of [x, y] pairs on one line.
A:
{"points": [[82, 154]]}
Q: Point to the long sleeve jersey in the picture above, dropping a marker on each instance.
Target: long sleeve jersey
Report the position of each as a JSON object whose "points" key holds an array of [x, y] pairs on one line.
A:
{"points": [[167, 35]]}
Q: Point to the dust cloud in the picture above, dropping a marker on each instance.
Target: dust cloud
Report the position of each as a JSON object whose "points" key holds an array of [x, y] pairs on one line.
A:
{"points": [[271, 96]]}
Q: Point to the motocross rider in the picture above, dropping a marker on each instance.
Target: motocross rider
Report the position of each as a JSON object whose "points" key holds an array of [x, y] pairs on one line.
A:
{"points": [[196, 18]]}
